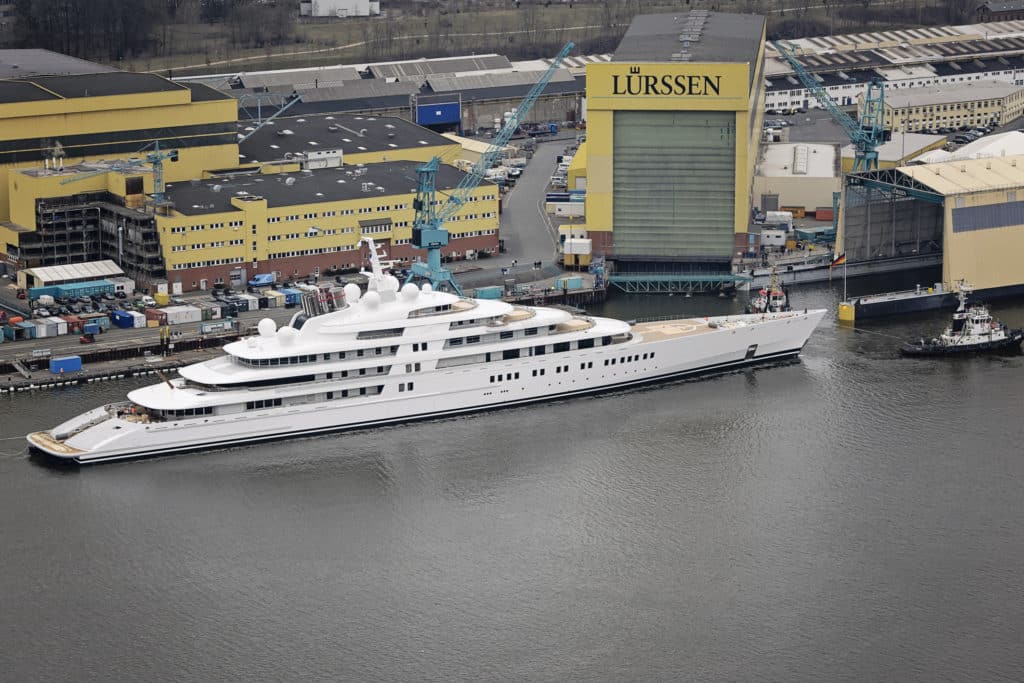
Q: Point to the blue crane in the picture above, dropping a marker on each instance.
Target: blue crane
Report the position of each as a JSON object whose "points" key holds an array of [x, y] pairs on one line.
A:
{"points": [[428, 230], [866, 136]]}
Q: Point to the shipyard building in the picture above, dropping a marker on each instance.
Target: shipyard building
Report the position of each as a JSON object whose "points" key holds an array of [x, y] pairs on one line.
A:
{"points": [[674, 126]]}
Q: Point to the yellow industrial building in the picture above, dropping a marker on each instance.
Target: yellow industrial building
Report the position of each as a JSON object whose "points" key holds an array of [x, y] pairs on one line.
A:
{"points": [[673, 130], [944, 108], [63, 120], [76, 183]]}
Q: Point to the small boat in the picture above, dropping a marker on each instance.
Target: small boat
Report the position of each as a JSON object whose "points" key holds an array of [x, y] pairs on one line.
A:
{"points": [[972, 331], [772, 299]]}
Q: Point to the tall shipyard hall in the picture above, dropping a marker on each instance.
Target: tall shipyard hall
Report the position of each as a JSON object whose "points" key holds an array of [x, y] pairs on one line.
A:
{"points": [[674, 127]]}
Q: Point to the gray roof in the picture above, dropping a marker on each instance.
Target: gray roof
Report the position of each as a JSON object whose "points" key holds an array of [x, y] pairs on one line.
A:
{"points": [[108, 83], [943, 94], [353, 134], [36, 62], [352, 90], [301, 78], [709, 37], [445, 65], [199, 198], [449, 83]]}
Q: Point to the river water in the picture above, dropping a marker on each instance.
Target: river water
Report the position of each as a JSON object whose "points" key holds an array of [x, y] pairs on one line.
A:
{"points": [[851, 516]]}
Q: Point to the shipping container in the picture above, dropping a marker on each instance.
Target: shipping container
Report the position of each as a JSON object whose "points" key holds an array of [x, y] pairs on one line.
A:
{"points": [[65, 364], [157, 314], [569, 283], [138, 318], [162, 298], [225, 325], [122, 319], [797, 211], [91, 328], [494, 292], [60, 323], [181, 315], [28, 330], [100, 319], [77, 289], [74, 324], [824, 213]]}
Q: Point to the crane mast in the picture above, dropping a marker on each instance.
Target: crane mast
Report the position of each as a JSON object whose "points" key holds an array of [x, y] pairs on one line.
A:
{"points": [[866, 136], [428, 230]]}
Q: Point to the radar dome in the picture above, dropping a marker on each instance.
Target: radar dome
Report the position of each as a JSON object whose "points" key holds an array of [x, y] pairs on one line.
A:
{"points": [[427, 287], [410, 291], [286, 336], [267, 327], [352, 292], [371, 299], [390, 283]]}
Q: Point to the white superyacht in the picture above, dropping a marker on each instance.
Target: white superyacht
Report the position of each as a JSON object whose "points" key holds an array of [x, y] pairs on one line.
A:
{"points": [[397, 354]]}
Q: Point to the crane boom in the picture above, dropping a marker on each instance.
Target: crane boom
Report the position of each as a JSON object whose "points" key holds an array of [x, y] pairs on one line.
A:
{"points": [[867, 135], [428, 226]]}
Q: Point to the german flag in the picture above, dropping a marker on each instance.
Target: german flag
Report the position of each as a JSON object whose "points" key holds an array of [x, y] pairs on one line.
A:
{"points": [[839, 260]]}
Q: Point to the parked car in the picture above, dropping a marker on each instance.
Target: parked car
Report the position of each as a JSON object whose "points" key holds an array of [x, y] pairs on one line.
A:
{"points": [[88, 338], [120, 295]]}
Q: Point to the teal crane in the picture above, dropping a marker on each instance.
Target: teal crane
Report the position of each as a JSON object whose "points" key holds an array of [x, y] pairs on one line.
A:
{"points": [[428, 230], [155, 158], [866, 136]]}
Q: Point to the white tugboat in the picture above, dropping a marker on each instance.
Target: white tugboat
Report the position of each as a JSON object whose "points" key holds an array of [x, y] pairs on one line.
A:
{"points": [[772, 299], [972, 330]]}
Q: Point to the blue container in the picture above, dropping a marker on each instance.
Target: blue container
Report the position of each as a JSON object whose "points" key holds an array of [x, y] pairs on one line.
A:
{"points": [[489, 292], [122, 319], [36, 292], [65, 365], [91, 328], [29, 330]]}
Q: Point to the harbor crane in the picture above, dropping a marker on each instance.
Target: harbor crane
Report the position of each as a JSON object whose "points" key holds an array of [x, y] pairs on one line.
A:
{"points": [[155, 158], [866, 136], [428, 230]]}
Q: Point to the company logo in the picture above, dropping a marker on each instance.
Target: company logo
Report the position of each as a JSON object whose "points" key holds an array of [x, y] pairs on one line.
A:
{"points": [[636, 83]]}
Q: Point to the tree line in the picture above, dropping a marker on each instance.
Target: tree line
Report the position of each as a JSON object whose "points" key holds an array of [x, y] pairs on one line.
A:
{"points": [[113, 30]]}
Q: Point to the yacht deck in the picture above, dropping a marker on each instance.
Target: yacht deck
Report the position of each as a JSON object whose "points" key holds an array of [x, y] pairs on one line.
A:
{"points": [[671, 329]]}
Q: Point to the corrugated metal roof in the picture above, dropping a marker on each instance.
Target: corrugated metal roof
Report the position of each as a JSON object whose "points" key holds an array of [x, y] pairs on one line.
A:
{"points": [[969, 175], [301, 78], [96, 270], [447, 83], [358, 89], [448, 65]]}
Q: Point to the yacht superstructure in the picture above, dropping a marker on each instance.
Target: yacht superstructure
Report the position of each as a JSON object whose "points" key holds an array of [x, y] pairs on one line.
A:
{"points": [[397, 354]]}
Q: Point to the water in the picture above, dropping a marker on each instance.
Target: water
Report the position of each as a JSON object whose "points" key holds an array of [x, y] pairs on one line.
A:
{"points": [[852, 516]]}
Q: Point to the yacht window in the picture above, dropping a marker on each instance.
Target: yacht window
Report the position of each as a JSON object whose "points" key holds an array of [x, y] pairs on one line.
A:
{"points": [[362, 371], [508, 376], [327, 356], [473, 340], [455, 342], [401, 387], [362, 391], [380, 334], [560, 347], [538, 350], [510, 354], [330, 375], [267, 403], [506, 335], [359, 353], [551, 328], [530, 331], [585, 344], [605, 341], [330, 395]]}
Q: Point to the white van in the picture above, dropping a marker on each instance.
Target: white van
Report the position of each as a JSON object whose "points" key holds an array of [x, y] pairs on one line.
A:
{"points": [[148, 301]]}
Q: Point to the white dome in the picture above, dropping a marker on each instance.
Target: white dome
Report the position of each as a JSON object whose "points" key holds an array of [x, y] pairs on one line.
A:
{"points": [[352, 292], [286, 336], [410, 291], [267, 327], [427, 287], [390, 284], [371, 299]]}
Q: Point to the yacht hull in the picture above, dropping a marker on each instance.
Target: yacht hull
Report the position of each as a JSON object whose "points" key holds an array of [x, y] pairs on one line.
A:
{"points": [[647, 359]]}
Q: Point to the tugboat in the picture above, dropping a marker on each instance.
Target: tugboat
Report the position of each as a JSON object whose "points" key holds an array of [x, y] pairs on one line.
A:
{"points": [[972, 331], [772, 299]]}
